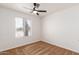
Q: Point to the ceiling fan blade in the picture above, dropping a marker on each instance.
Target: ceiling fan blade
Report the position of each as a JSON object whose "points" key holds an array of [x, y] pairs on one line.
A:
{"points": [[37, 13], [34, 8], [41, 10]]}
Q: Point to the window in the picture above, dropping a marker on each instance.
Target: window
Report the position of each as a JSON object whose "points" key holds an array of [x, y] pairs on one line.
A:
{"points": [[22, 27]]}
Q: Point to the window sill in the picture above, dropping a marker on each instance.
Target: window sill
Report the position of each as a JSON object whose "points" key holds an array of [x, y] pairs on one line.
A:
{"points": [[22, 37]]}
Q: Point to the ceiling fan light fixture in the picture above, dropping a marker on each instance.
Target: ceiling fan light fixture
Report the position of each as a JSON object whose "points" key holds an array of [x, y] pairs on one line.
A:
{"points": [[34, 12]]}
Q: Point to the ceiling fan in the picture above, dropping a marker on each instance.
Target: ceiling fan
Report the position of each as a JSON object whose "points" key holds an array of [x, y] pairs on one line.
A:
{"points": [[35, 9]]}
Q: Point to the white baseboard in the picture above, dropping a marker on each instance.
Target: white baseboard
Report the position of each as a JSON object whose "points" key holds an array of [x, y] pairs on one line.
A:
{"points": [[18, 45], [61, 46]]}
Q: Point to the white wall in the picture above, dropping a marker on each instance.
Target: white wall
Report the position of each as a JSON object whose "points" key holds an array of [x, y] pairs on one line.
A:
{"points": [[62, 28], [7, 29]]}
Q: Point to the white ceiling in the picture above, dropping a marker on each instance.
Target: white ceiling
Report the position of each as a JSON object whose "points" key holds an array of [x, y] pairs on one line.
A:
{"points": [[50, 7]]}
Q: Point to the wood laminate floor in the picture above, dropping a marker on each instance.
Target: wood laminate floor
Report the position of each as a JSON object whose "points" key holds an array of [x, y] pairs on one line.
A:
{"points": [[38, 48]]}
